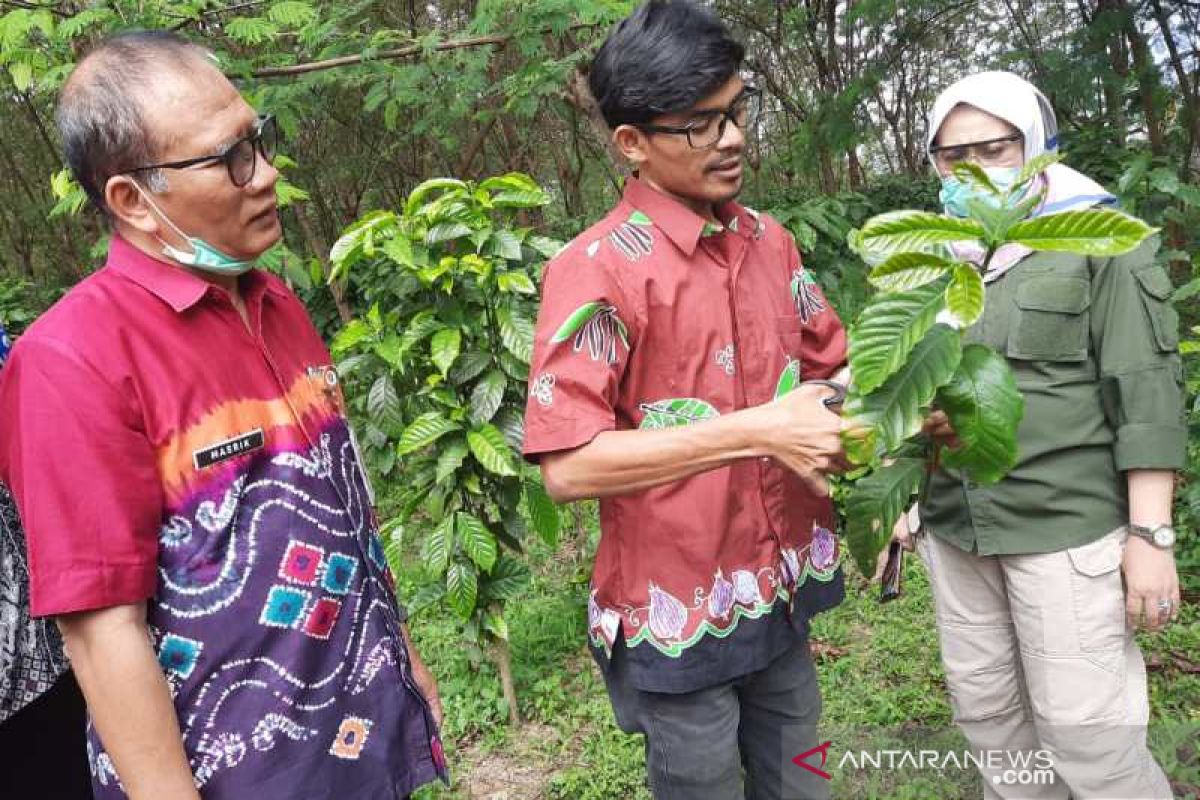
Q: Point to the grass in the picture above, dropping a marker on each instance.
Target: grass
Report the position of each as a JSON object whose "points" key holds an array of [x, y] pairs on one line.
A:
{"points": [[880, 675]]}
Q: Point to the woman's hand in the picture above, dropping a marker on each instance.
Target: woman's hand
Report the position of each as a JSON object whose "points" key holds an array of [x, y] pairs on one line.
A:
{"points": [[937, 426], [901, 534], [1150, 579]]}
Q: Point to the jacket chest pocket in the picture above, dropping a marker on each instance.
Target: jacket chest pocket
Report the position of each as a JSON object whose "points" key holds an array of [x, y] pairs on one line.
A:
{"points": [[1050, 320]]}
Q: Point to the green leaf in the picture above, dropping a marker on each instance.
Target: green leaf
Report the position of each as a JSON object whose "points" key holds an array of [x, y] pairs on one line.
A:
{"points": [[469, 365], [487, 396], [22, 74], [477, 541], [675, 412], [964, 295], [514, 367], [516, 332], [521, 199], [446, 231], [543, 513], [421, 326], [462, 588], [444, 348], [424, 431], [985, 409], [417, 198], [292, 12], [506, 245], [545, 246], [576, 320], [426, 597], [897, 408], [355, 332], [383, 404], [450, 458], [900, 231], [789, 378], [904, 271], [971, 173], [1035, 166], [507, 579], [1095, 232], [997, 220], [495, 625], [511, 423], [889, 328], [515, 282], [435, 550], [510, 182], [873, 506], [399, 249], [491, 450], [251, 30]]}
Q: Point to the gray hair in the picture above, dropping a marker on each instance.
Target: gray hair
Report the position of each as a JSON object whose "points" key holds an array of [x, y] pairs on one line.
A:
{"points": [[100, 113]]}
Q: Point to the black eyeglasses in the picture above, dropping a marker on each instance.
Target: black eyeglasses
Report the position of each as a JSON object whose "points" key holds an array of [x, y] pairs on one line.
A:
{"points": [[990, 152], [240, 158], [707, 127]]}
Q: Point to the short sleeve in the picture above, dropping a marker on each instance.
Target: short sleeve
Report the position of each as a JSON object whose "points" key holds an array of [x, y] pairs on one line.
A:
{"points": [[85, 480], [581, 349], [824, 339]]}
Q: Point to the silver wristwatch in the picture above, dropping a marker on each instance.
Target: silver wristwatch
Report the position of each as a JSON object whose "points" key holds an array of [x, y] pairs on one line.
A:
{"points": [[1161, 536]]}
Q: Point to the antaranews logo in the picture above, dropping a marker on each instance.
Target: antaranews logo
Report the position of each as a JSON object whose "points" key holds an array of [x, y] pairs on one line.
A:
{"points": [[1004, 767], [802, 760]]}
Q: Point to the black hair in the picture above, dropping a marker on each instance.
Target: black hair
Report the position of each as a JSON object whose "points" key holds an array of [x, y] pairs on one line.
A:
{"points": [[100, 112], [665, 57]]}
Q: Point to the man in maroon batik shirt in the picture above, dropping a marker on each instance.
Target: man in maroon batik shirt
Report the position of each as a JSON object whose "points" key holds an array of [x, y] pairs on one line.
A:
{"points": [[199, 524], [671, 345]]}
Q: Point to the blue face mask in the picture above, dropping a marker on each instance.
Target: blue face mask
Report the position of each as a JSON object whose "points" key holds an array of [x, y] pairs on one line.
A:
{"points": [[955, 193], [204, 256]]}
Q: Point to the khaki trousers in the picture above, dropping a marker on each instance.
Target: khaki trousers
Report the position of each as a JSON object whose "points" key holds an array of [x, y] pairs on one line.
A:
{"points": [[1038, 658]]}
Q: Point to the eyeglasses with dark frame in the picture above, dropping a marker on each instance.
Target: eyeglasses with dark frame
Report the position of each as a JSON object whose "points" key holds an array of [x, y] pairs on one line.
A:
{"points": [[705, 131], [240, 158], [987, 151]]}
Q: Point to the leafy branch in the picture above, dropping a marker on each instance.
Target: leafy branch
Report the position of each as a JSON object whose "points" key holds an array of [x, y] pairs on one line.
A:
{"points": [[906, 349]]}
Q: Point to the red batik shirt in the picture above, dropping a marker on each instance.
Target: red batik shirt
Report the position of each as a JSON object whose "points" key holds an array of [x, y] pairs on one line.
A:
{"points": [[654, 318]]}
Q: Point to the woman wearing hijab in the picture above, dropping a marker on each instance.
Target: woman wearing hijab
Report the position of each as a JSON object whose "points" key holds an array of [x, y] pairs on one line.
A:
{"points": [[1040, 580]]}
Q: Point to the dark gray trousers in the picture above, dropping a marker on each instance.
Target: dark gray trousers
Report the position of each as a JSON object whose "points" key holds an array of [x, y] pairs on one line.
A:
{"points": [[732, 741]]}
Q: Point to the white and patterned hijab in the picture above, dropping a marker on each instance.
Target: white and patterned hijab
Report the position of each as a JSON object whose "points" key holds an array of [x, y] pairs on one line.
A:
{"points": [[1019, 103]]}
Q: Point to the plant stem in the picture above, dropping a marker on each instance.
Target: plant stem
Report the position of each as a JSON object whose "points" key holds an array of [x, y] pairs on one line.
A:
{"points": [[504, 663]]}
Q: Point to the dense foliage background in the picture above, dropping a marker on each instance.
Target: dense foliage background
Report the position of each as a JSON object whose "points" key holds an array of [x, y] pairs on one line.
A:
{"points": [[375, 98]]}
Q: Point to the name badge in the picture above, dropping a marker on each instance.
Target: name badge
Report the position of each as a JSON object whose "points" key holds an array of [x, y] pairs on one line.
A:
{"points": [[230, 448]]}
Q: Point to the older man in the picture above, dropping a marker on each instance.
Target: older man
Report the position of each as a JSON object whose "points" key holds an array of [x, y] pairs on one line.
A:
{"points": [[197, 515]]}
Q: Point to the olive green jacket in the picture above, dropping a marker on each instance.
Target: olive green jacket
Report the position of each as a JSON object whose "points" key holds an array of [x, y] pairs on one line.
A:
{"points": [[1093, 343]]}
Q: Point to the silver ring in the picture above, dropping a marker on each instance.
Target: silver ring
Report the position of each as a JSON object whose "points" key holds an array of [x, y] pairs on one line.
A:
{"points": [[1165, 605]]}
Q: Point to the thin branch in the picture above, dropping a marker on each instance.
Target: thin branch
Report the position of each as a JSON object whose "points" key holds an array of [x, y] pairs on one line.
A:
{"points": [[384, 55]]}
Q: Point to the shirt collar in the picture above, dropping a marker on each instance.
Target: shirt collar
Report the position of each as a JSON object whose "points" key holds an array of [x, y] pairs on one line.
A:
{"points": [[682, 225], [174, 285]]}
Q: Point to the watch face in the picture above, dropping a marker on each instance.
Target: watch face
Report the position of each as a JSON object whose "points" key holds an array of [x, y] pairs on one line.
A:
{"points": [[1164, 537]]}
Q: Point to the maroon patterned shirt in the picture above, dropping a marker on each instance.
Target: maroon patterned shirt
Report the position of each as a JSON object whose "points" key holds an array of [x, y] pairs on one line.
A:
{"points": [[654, 318]]}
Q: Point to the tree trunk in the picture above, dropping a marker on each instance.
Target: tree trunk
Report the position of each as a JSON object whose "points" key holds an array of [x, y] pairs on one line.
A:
{"points": [[1148, 80], [503, 660], [313, 240]]}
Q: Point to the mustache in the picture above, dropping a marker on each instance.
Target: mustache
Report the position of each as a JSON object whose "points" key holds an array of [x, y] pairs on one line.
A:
{"points": [[725, 163]]}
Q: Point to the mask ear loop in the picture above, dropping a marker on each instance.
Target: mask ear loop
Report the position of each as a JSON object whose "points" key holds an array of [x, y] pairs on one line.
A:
{"points": [[167, 248]]}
